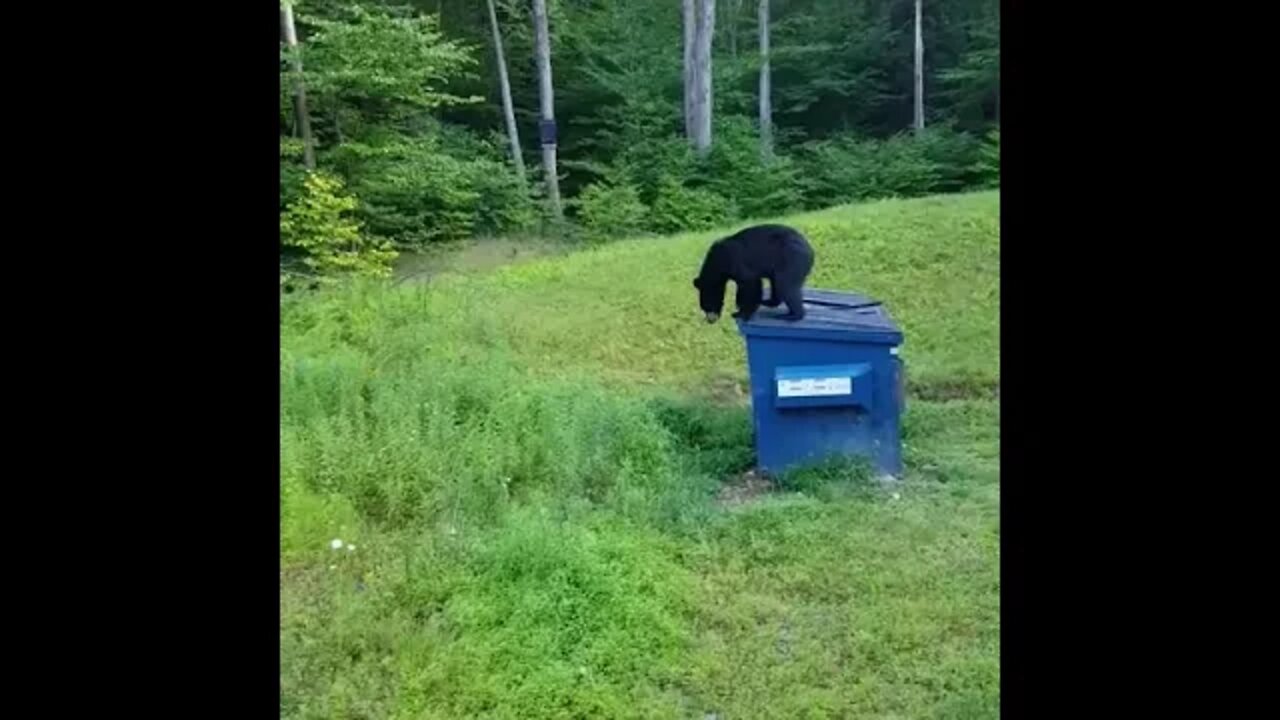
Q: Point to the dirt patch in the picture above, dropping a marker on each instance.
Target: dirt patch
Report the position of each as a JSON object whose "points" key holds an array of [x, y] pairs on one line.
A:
{"points": [[743, 489]]}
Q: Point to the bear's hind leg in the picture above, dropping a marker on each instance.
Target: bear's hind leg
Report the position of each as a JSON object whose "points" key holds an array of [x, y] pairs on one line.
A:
{"points": [[794, 299]]}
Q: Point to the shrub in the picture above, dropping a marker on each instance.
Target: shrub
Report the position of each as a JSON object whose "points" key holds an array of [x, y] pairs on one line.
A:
{"points": [[677, 207], [292, 171], [987, 167], [319, 224], [607, 211], [410, 191], [418, 192], [690, 194], [953, 156], [848, 168], [734, 170], [503, 204]]}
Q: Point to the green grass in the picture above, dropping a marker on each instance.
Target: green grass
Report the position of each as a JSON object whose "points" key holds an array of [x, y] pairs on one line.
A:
{"points": [[528, 458]]}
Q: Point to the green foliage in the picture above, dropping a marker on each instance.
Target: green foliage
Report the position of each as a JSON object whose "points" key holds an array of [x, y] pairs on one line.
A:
{"points": [[292, 172], [972, 85], [308, 518], [988, 165], [818, 478], [716, 440], [408, 113], [373, 75], [734, 170], [319, 223], [419, 191], [647, 163], [411, 190], [953, 155], [580, 620], [834, 64], [677, 207], [538, 618], [907, 165], [688, 193], [734, 183], [611, 212], [503, 204], [380, 62]]}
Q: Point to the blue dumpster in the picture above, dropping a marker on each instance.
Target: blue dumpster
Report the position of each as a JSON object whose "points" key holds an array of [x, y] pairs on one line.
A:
{"points": [[827, 386]]}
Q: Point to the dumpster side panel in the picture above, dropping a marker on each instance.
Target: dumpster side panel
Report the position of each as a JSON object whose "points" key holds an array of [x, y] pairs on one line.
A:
{"points": [[789, 436]]}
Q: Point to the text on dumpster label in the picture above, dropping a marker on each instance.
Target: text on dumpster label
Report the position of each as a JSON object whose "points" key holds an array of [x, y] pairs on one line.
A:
{"points": [[807, 387]]}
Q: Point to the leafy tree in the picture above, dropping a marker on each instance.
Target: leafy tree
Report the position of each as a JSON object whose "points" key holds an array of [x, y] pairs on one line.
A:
{"points": [[320, 224]]}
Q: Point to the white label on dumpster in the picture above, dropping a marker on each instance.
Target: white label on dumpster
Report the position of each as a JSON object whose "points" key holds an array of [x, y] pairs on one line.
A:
{"points": [[815, 387]]}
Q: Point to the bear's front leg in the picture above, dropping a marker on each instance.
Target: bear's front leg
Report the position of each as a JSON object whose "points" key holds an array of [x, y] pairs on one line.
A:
{"points": [[748, 298]]}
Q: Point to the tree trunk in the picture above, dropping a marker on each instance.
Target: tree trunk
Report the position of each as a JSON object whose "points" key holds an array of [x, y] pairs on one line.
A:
{"points": [[918, 120], [687, 7], [542, 53], [766, 99], [734, 11], [299, 88], [703, 31], [508, 110]]}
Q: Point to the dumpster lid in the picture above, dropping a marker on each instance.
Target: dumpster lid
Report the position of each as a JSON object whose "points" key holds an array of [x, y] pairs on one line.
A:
{"points": [[829, 314]]}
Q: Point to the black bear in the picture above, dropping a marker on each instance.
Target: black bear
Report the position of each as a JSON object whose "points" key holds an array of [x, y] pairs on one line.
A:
{"points": [[747, 257]]}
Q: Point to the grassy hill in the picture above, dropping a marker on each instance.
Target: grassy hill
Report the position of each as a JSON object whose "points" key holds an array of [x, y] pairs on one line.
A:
{"points": [[540, 468]]}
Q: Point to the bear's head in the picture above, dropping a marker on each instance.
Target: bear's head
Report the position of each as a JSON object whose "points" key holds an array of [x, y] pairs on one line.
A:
{"points": [[710, 297]]}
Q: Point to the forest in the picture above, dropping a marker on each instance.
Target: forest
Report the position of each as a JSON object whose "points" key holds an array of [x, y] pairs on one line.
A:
{"points": [[406, 125]]}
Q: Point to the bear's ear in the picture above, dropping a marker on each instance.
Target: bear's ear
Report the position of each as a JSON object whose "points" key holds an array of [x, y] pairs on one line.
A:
{"points": [[695, 284]]}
